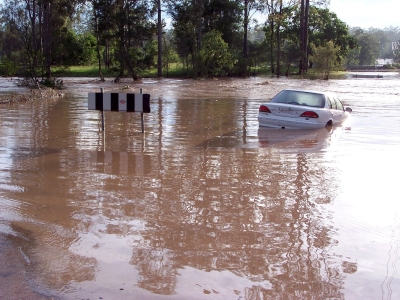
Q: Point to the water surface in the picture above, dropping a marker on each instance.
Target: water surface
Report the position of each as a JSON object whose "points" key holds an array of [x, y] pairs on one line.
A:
{"points": [[204, 204]]}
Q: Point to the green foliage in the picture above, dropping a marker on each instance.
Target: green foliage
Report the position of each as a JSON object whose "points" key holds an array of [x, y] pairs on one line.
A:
{"points": [[369, 47], [290, 53], [185, 29], [87, 51], [8, 67], [149, 54], [75, 49], [224, 16], [383, 37], [169, 54], [207, 38], [82, 71], [396, 56], [325, 59], [54, 83], [215, 58], [39, 29], [127, 25], [353, 57], [256, 57], [324, 26]]}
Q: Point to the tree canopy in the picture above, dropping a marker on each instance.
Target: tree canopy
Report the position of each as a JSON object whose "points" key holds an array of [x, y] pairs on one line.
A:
{"points": [[209, 37]]}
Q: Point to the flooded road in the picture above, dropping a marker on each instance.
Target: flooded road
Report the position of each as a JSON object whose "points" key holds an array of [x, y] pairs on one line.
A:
{"points": [[204, 204]]}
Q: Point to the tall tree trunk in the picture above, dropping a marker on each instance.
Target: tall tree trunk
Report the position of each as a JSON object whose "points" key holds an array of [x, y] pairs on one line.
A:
{"points": [[305, 34], [199, 23], [301, 36], [159, 29], [98, 49], [245, 36], [304, 16], [272, 47], [31, 39], [278, 41], [47, 36]]}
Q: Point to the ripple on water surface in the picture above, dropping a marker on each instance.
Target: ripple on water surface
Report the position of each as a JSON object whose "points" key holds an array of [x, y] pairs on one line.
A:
{"points": [[204, 201]]}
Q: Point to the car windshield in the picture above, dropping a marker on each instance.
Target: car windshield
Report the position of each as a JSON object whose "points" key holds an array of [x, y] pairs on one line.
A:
{"points": [[300, 98]]}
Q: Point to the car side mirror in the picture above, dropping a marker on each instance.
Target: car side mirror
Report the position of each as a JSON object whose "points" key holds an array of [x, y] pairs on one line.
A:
{"points": [[348, 109]]}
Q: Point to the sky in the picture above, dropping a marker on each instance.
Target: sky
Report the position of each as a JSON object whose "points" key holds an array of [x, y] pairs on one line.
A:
{"points": [[367, 13]]}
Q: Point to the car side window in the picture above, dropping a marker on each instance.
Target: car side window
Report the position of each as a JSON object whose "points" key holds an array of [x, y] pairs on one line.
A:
{"points": [[339, 104], [332, 103]]}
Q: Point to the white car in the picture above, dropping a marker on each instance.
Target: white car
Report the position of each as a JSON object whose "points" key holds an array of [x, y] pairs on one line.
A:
{"points": [[299, 109]]}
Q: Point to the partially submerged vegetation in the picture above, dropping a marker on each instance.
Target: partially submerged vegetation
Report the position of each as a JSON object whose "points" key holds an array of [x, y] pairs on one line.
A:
{"points": [[11, 98], [36, 91]]}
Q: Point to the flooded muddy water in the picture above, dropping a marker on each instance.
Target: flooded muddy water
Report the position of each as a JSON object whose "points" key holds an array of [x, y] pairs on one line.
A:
{"points": [[204, 204]]}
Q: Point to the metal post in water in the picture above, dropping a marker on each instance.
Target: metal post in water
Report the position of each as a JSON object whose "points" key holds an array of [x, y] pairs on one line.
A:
{"points": [[141, 115], [102, 115]]}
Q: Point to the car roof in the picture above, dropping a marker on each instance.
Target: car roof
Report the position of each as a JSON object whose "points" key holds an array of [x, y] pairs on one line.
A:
{"points": [[308, 91]]}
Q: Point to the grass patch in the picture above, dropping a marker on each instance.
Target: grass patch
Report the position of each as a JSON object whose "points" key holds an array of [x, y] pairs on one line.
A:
{"points": [[83, 71], [176, 70]]}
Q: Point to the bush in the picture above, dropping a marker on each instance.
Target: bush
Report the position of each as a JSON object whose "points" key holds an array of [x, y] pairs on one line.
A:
{"points": [[8, 67], [215, 58], [53, 83], [325, 59], [389, 67]]}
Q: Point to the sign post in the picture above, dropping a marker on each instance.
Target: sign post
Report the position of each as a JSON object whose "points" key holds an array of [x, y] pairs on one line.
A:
{"points": [[141, 116], [102, 115], [119, 102]]}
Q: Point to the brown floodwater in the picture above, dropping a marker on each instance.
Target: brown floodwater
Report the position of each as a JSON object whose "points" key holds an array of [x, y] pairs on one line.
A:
{"points": [[204, 204]]}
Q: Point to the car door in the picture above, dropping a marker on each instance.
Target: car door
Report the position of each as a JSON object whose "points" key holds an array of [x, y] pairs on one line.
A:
{"points": [[333, 109], [339, 114]]}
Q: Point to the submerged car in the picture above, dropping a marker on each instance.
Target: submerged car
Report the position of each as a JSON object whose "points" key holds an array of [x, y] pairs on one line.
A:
{"points": [[301, 109]]}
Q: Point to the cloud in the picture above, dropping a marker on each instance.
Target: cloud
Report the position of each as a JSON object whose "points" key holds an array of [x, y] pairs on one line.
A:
{"points": [[367, 13]]}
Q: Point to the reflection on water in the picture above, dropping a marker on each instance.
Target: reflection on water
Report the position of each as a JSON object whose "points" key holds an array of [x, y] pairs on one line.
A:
{"points": [[296, 141], [204, 202]]}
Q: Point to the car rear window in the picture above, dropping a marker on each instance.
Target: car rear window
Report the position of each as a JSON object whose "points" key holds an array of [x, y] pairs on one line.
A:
{"points": [[300, 98]]}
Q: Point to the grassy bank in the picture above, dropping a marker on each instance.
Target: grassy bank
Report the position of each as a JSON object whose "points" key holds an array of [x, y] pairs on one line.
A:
{"points": [[177, 71], [174, 71], [93, 71]]}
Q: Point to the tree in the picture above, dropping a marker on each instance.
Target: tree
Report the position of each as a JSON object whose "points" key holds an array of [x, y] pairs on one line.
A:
{"points": [[249, 6], [185, 31], [290, 54], [323, 26], [224, 16], [214, 55], [11, 46], [396, 51], [169, 53], [192, 19], [159, 36], [127, 26], [352, 58], [257, 53], [382, 37], [304, 13], [104, 28], [269, 32], [369, 47], [39, 26], [325, 59]]}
